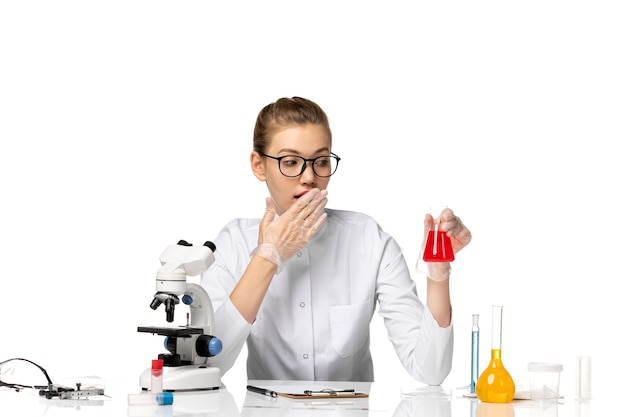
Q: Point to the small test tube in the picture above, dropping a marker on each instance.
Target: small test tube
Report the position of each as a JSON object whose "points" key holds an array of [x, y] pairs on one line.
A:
{"points": [[156, 381], [148, 398], [583, 377]]}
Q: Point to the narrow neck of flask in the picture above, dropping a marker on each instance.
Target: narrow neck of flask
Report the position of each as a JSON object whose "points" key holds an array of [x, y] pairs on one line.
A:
{"points": [[496, 327], [496, 354]]}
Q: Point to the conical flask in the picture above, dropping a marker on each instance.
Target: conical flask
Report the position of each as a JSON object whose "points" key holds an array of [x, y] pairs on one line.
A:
{"points": [[495, 384]]}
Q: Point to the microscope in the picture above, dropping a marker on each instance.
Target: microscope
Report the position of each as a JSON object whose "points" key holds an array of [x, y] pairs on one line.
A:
{"points": [[185, 366]]}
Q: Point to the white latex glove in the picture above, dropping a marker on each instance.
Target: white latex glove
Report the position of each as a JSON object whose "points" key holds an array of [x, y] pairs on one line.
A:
{"points": [[280, 238], [460, 236]]}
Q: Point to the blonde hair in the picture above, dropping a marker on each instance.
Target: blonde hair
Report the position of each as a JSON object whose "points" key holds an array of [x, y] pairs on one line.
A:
{"points": [[286, 112]]}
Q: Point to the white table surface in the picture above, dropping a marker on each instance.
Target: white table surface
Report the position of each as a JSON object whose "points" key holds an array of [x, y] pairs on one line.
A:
{"points": [[385, 399]]}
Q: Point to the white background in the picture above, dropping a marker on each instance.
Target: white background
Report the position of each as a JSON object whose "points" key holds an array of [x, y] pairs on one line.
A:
{"points": [[126, 126]]}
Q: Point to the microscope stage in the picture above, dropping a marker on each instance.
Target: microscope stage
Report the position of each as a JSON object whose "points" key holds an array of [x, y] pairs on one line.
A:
{"points": [[171, 331]]}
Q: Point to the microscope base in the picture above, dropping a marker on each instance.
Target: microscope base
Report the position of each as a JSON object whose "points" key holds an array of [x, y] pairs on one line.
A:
{"points": [[185, 378]]}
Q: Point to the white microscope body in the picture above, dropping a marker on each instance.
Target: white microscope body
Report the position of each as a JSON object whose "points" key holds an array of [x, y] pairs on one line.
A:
{"points": [[185, 367]]}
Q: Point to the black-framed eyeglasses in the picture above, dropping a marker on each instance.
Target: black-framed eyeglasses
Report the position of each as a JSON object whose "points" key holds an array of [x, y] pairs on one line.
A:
{"points": [[294, 165]]}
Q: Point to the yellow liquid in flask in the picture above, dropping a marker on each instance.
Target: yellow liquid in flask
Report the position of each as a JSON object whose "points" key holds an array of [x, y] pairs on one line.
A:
{"points": [[495, 384]]}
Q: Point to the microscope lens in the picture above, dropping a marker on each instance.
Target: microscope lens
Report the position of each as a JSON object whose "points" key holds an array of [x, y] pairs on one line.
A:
{"points": [[155, 303], [169, 311]]}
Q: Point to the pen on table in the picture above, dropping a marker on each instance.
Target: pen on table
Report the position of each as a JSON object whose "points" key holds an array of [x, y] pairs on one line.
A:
{"points": [[263, 391], [329, 393]]}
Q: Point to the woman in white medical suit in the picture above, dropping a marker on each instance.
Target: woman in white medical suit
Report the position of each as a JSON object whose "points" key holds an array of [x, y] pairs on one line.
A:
{"points": [[300, 284]]}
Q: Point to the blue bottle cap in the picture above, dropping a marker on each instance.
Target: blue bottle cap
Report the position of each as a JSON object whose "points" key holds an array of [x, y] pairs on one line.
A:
{"points": [[165, 398]]}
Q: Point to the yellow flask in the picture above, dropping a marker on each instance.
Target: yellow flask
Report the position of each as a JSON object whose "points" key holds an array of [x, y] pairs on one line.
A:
{"points": [[495, 384]]}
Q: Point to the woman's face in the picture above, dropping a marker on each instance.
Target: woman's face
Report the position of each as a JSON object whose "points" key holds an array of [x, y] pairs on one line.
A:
{"points": [[308, 141]]}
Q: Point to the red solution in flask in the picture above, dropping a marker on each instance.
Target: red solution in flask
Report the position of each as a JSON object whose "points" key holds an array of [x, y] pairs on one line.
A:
{"points": [[438, 247]]}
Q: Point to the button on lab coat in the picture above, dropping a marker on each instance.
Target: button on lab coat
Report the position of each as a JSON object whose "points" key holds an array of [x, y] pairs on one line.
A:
{"points": [[314, 323]]}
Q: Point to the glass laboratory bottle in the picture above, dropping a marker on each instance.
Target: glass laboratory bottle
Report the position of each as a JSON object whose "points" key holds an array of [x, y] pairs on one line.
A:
{"points": [[495, 384]]}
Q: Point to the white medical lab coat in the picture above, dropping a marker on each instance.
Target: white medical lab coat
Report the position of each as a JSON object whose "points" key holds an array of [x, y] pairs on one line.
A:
{"points": [[314, 323]]}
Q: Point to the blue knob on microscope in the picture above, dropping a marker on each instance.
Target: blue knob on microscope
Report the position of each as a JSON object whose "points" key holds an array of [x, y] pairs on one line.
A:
{"points": [[215, 346]]}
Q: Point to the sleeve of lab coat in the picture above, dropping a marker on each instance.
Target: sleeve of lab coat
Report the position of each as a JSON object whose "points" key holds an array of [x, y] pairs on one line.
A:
{"points": [[424, 348], [231, 259]]}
